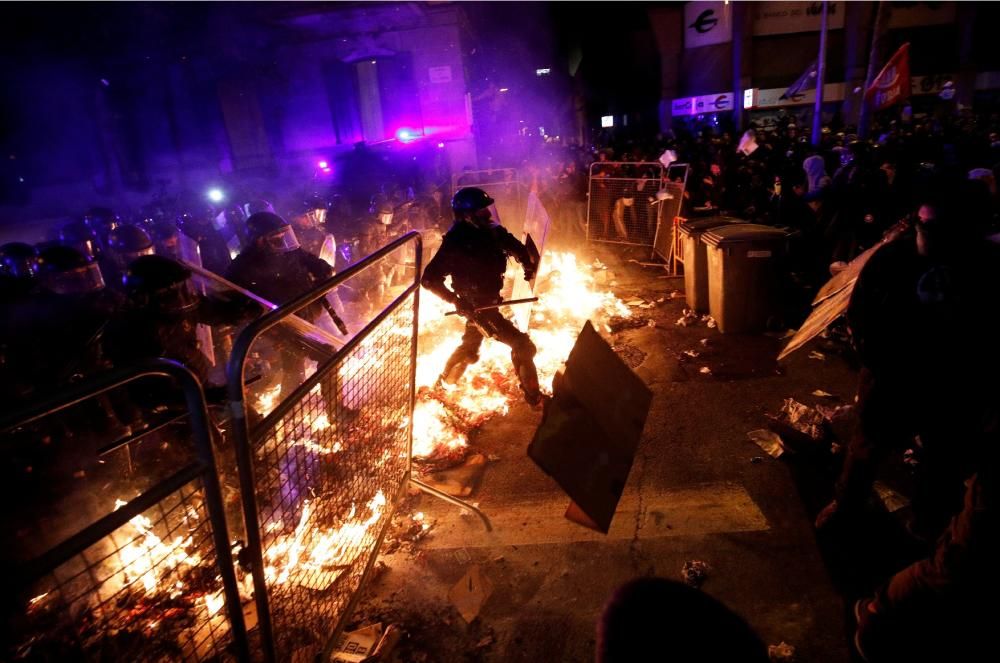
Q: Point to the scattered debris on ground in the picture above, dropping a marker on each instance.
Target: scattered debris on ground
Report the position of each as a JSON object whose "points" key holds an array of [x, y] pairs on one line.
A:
{"points": [[630, 354], [367, 644], [695, 572], [709, 321], [800, 425], [781, 653], [470, 593], [705, 370], [767, 440], [688, 318], [817, 355], [618, 323], [459, 481], [891, 499], [823, 394]]}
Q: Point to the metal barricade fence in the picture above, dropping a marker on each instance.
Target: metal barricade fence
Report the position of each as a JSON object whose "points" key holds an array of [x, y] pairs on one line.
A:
{"points": [[321, 472], [504, 186], [621, 202], [666, 241], [151, 578]]}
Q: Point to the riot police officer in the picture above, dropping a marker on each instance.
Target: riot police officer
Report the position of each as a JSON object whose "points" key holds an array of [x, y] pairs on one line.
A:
{"points": [[18, 270], [474, 253], [162, 313], [309, 229], [51, 336], [275, 267], [124, 244]]}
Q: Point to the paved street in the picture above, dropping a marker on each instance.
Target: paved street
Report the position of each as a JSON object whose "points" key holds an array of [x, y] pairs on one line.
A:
{"points": [[693, 493]]}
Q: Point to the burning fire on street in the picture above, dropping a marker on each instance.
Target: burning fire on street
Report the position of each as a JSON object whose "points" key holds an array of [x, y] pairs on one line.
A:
{"points": [[568, 294]]}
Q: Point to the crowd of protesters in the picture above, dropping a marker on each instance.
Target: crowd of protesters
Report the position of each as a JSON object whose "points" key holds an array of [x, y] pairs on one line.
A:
{"points": [[923, 320]]}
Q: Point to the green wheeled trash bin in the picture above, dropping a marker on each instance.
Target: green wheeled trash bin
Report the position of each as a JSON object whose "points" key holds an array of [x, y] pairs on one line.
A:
{"points": [[745, 262], [696, 259]]}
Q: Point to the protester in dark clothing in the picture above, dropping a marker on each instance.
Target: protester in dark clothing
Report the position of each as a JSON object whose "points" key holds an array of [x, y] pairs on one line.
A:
{"points": [[858, 193], [474, 253], [925, 370], [655, 619], [933, 609]]}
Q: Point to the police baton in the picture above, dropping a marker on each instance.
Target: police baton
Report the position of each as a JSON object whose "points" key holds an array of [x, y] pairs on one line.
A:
{"points": [[304, 327], [509, 302]]}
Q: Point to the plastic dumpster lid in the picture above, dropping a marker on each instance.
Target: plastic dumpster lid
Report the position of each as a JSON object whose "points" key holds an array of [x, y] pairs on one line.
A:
{"points": [[701, 225], [738, 233]]}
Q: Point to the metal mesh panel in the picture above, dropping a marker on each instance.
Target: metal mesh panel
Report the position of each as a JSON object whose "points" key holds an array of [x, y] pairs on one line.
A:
{"points": [[131, 560], [621, 206], [328, 469], [148, 591], [669, 211]]}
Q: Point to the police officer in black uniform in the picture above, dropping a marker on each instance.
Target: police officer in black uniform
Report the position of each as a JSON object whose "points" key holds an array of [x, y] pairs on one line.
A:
{"points": [[18, 270], [124, 244], [51, 336], [161, 315], [275, 267], [474, 253]]}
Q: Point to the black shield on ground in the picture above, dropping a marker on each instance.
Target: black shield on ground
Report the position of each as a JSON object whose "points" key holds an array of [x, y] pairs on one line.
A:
{"points": [[591, 427]]}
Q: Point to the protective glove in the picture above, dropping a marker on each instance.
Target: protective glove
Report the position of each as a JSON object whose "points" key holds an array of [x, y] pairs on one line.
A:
{"points": [[529, 273], [464, 307]]}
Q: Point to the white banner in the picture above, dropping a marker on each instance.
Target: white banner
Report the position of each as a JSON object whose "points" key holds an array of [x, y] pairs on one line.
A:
{"points": [[771, 97], [707, 23], [775, 18], [913, 14]]}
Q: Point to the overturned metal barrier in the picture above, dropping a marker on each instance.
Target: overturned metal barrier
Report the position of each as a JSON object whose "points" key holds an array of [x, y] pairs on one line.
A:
{"points": [[320, 473], [152, 576]]}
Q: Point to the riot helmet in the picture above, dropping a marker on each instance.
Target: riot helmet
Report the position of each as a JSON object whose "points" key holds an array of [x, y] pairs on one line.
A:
{"points": [[473, 204], [80, 236], [275, 234], [385, 213], [259, 205], [126, 243], [166, 239], [65, 270], [160, 284], [19, 260], [311, 215]]}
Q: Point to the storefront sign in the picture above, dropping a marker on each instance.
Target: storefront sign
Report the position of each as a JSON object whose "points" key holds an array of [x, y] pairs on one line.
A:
{"points": [[775, 18], [439, 74], [771, 97], [914, 14], [708, 103], [707, 23]]}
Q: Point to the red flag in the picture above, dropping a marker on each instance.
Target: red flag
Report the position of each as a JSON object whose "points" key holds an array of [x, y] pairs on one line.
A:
{"points": [[892, 85]]}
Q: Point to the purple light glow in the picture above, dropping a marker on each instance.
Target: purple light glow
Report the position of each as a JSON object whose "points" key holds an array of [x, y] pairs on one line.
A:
{"points": [[440, 145], [323, 164], [406, 135]]}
